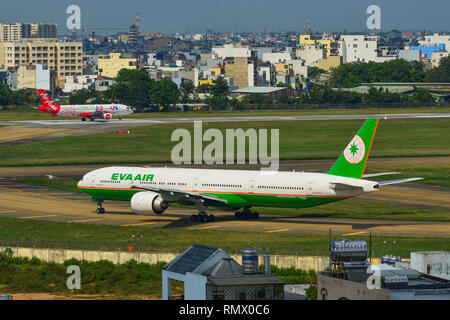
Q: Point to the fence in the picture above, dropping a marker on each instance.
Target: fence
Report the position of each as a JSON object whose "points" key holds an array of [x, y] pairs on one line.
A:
{"points": [[316, 263]]}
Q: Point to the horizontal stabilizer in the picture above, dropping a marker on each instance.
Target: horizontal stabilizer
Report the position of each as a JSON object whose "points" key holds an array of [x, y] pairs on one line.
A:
{"points": [[339, 186], [388, 182], [369, 175]]}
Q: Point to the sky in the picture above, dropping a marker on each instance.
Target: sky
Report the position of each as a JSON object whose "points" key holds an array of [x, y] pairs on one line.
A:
{"points": [[232, 15]]}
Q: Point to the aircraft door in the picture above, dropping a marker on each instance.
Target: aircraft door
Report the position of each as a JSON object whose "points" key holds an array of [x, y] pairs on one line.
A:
{"points": [[195, 184], [251, 186]]}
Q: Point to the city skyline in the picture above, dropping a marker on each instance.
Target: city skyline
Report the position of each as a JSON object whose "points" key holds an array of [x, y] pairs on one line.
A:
{"points": [[239, 16]]}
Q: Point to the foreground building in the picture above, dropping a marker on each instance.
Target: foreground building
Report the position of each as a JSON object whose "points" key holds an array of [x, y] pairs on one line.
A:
{"points": [[63, 58], [210, 274]]}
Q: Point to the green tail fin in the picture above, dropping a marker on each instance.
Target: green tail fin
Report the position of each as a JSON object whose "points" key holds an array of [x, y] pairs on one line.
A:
{"points": [[353, 159]]}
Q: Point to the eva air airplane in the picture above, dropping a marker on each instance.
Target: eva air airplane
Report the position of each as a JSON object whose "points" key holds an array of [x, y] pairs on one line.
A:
{"points": [[150, 190]]}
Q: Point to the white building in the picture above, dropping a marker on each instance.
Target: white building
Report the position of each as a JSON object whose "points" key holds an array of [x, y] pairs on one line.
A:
{"points": [[230, 51], [277, 57], [359, 48], [435, 39], [76, 83], [311, 53]]}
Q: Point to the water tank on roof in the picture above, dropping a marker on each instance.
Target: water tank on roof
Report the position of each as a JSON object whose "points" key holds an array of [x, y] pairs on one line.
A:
{"points": [[348, 250], [250, 261]]}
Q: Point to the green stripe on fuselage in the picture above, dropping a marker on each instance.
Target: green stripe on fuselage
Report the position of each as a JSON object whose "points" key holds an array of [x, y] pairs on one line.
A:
{"points": [[234, 200]]}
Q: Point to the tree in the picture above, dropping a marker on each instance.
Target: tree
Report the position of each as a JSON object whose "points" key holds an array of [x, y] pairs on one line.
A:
{"points": [[20, 98], [187, 88], [219, 93], [5, 94], [164, 93], [132, 88], [421, 95], [314, 71], [81, 97], [440, 73]]}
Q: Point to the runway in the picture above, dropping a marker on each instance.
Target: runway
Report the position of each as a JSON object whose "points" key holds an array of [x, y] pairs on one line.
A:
{"points": [[40, 203], [18, 132]]}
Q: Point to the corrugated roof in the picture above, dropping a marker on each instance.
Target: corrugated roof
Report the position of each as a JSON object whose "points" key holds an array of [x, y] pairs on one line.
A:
{"points": [[190, 259], [258, 90]]}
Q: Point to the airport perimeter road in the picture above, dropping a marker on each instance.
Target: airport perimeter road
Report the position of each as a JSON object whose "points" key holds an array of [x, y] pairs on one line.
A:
{"points": [[17, 132], [39, 203]]}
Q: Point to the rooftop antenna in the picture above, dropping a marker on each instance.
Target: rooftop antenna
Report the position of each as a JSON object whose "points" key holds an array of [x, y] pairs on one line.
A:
{"points": [[309, 25], [138, 21]]}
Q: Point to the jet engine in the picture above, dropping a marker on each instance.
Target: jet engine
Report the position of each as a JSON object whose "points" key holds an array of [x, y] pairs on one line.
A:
{"points": [[148, 202], [107, 116]]}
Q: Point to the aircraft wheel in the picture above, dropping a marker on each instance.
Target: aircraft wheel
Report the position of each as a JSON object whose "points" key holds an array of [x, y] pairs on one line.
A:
{"points": [[255, 215], [212, 218], [238, 215], [193, 218], [83, 119]]}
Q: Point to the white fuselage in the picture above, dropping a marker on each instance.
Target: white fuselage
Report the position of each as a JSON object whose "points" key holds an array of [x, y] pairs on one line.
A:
{"points": [[216, 181], [79, 110]]}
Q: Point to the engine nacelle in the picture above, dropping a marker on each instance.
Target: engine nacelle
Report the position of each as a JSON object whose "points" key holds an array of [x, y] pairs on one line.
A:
{"points": [[148, 202], [107, 116]]}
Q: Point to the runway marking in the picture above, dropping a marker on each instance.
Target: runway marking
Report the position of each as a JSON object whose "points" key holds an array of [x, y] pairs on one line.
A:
{"points": [[32, 217], [86, 220], [137, 224], [279, 230], [355, 233], [414, 193], [209, 227]]}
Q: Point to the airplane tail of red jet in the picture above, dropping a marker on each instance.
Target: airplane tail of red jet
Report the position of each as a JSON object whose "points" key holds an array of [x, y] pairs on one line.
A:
{"points": [[47, 103]]}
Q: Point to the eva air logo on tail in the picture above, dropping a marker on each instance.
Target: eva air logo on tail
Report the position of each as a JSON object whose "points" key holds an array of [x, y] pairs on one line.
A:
{"points": [[355, 150]]}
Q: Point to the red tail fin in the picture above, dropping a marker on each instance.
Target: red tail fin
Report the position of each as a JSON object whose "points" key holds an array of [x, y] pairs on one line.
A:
{"points": [[47, 103]]}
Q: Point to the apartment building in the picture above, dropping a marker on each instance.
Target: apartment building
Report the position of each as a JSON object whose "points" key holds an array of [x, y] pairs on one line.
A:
{"points": [[358, 48], [326, 40], [242, 70], [110, 65], [13, 32], [64, 58]]}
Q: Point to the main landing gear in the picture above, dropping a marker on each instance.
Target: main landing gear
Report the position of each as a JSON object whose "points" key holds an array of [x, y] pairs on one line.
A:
{"points": [[202, 216], [83, 119], [246, 214], [100, 209]]}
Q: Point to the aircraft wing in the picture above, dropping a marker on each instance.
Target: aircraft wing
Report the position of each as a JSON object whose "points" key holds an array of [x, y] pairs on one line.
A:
{"points": [[388, 182], [95, 114], [379, 174], [172, 194]]}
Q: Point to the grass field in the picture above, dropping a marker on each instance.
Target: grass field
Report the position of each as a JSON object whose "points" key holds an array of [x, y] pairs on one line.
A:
{"points": [[64, 235], [347, 209], [298, 140], [438, 174], [32, 114], [129, 280]]}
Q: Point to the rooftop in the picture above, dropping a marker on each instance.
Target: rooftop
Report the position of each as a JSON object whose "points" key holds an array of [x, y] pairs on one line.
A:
{"points": [[258, 90]]}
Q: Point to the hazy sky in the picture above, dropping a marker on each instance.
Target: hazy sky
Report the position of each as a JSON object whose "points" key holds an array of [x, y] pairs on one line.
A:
{"points": [[238, 15]]}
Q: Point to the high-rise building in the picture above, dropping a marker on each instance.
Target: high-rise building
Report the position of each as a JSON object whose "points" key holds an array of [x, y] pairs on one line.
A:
{"points": [[10, 32], [13, 32], [63, 58]]}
